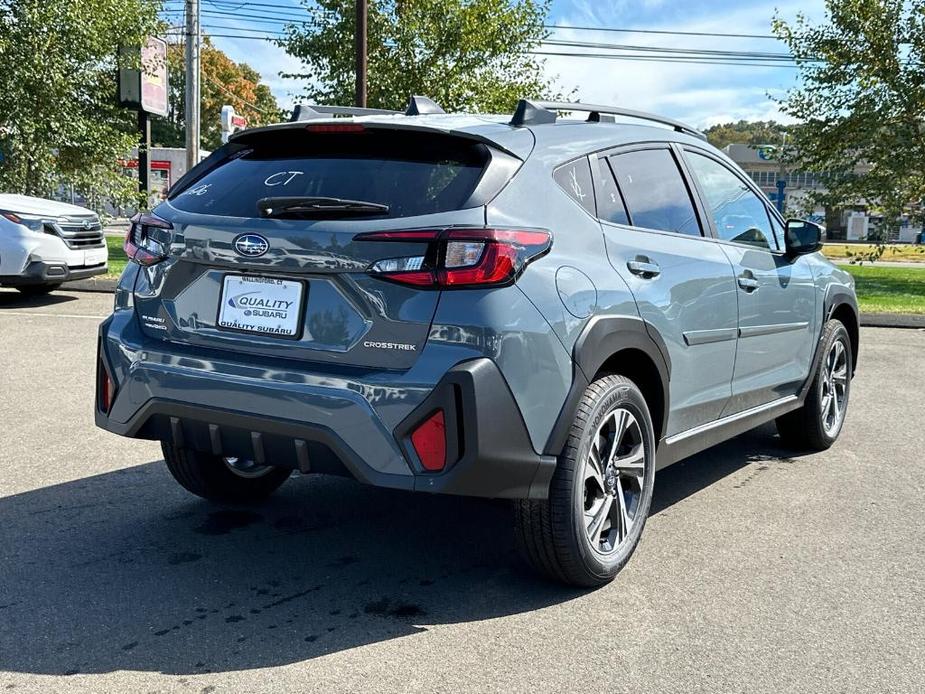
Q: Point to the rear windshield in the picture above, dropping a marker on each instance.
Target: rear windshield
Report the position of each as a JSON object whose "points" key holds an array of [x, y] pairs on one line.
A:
{"points": [[412, 173]]}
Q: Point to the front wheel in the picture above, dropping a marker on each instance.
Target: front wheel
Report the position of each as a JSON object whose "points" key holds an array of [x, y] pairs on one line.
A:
{"points": [[817, 424], [600, 493], [228, 480]]}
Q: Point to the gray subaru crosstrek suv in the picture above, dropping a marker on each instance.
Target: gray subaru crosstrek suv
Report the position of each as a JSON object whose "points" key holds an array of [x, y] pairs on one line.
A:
{"points": [[529, 307]]}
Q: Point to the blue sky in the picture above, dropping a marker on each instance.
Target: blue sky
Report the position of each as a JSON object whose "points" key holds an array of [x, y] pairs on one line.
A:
{"points": [[699, 94]]}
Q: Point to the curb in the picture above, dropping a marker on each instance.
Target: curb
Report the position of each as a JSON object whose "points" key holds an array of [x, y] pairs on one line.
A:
{"points": [[91, 285], [893, 320]]}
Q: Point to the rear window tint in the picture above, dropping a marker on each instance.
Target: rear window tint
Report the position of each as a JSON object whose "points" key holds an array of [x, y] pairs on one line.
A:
{"points": [[413, 175], [655, 193], [575, 179]]}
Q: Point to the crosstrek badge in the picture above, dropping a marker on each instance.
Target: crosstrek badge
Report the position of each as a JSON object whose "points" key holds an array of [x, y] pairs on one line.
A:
{"points": [[404, 346]]}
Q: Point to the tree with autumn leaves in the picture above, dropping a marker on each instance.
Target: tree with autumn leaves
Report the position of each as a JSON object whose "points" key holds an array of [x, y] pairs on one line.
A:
{"points": [[223, 81]]}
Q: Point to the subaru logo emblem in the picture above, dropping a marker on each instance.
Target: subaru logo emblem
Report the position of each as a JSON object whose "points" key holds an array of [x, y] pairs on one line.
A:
{"points": [[251, 245]]}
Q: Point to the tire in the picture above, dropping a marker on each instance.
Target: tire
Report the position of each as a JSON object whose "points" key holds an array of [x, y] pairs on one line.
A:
{"points": [[210, 477], [810, 427], [37, 289], [555, 535]]}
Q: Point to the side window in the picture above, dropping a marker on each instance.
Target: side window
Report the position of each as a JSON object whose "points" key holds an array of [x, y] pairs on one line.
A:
{"points": [[575, 179], [610, 205], [655, 193], [738, 213]]}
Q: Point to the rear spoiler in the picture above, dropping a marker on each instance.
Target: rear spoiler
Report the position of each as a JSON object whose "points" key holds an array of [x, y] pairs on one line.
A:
{"points": [[398, 122]]}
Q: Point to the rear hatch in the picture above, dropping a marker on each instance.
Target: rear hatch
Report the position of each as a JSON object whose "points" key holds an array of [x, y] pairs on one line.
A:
{"points": [[259, 255]]}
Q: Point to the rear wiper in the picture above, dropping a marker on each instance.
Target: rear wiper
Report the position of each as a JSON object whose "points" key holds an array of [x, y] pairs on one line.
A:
{"points": [[311, 206]]}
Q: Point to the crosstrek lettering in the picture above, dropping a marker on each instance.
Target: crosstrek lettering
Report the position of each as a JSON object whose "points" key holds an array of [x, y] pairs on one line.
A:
{"points": [[390, 345]]}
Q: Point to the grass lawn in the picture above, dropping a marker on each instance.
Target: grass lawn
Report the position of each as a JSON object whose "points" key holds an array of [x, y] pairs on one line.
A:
{"points": [[117, 257], [889, 289], [894, 252]]}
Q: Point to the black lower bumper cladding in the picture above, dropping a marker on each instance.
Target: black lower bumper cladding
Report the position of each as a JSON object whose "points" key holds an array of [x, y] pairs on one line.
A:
{"points": [[489, 453]]}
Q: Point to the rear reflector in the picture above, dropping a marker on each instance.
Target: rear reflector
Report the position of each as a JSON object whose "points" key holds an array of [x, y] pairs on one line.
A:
{"points": [[429, 441], [106, 389]]}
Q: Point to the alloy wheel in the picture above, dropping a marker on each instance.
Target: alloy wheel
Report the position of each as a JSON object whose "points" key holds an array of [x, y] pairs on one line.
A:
{"points": [[834, 388], [614, 475]]}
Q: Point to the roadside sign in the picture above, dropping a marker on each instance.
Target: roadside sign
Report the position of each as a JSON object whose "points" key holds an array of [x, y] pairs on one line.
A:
{"points": [[231, 122], [145, 89]]}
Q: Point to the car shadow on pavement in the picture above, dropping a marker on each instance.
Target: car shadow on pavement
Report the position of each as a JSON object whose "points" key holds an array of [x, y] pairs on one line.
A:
{"points": [[125, 571], [10, 298]]}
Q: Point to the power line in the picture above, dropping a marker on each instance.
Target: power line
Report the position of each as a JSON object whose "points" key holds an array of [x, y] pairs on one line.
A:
{"points": [[284, 13], [235, 96], [565, 27], [660, 59], [667, 49]]}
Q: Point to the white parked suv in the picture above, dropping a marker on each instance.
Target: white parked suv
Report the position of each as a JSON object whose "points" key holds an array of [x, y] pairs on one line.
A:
{"points": [[44, 243]]}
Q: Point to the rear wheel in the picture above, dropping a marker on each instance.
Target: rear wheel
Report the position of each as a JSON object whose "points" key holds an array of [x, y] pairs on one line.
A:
{"points": [[817, 424], [37, 289], [217, 478], [600, 493]]}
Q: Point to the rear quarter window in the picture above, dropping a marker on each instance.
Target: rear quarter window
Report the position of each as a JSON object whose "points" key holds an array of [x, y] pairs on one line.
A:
{"points": [[412, 173], [575, 179]]}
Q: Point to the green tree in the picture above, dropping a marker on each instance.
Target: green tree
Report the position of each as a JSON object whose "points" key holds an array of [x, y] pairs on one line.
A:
{"points": [[861, 100], [59, 119], [465, 54], [745, 132], [222, 81]]}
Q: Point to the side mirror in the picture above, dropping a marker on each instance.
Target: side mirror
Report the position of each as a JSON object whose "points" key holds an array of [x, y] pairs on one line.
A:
{"points": [[802, 237]]}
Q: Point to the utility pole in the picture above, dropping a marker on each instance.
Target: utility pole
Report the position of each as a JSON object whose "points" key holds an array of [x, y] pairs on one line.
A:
{"points": [[361, 53], [144, 146], [192, 83]]}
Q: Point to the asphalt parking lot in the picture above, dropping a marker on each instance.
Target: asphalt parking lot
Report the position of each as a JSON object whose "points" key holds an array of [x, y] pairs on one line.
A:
{"points": [[760, 570]]}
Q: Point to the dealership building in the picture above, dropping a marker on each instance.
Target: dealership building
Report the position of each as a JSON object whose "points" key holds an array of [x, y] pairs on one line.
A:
{"points": [[849, 223]]}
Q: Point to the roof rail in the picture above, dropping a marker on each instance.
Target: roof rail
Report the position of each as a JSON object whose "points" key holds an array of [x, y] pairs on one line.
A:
{"points": [[310, 111], [537, 112], [422, 105]]}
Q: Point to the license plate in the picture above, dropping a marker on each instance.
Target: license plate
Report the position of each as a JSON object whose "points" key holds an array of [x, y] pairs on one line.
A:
{"points": [[261, 305], [95, 257]]}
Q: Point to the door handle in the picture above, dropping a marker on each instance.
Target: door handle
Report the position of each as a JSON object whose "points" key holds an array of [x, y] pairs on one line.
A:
{"points": [[643, 267], [748, 283]]}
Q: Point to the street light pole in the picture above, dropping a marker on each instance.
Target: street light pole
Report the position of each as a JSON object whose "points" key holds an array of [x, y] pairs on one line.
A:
{"points": [[781, 174], [192, 83], [361, 53]]}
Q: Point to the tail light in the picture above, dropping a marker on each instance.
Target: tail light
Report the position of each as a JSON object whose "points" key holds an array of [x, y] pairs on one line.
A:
{"points": [[429, 441], [460, 258], [147, 239]]}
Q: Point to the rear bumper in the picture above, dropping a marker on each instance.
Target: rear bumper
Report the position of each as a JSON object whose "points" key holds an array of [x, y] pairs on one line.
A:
{"points": [[327, 423], [41, 272]]}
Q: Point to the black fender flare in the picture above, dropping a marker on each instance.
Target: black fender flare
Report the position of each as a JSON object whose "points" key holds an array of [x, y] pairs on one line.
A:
{"points": [[600, 339], [837, 295]]}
